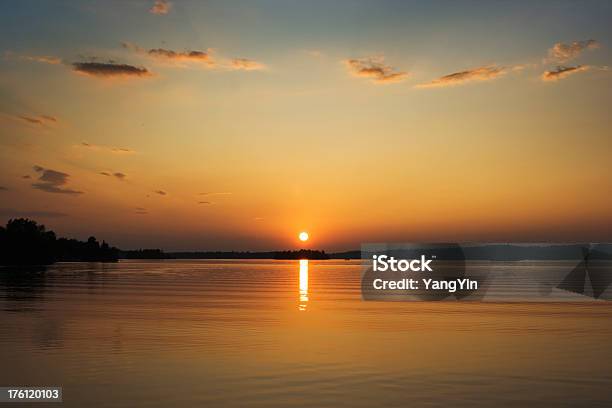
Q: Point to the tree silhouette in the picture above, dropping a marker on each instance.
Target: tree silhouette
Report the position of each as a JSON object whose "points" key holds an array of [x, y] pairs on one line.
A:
{"points": [[24, 242]]}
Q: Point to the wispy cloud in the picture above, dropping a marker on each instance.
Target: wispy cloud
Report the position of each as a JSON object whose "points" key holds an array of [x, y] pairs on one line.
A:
{"points": [[562, 52], [111, 149], [52, 181], [197, 56], [204, 202], [2, 188], [160, 192], [207, 58], [110, 70], [47, 59], [485, 73], [563, 72], [246, 64], [117, 175], [314, 53], [215, 193], [175, 57], [141, 211], [161, 7], [39, 120], [375, 69]]}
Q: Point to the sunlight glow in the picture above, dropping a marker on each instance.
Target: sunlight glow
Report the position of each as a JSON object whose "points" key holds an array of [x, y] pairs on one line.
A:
{"points": [[303, 236]]}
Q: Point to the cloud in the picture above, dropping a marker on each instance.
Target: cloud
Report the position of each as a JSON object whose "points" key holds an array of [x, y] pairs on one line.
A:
{"points": [[109, 70], [117, 150], [47, 59], [204, 202], [214, 193], [118, 175], [485, 73], [30, 214], [26, 176], [206, 57], [164, 54], [40, 120], [192, 56], [314, 53], [562, 52], [51, 181], [375, 69], [141, 211], [160, 192], [562, 72], [121, 150], [2, 188], [161, 7], [246, 64]]}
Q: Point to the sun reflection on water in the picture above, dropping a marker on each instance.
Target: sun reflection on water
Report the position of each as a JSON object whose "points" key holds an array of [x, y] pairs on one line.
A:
{"points": [[303, 284]]}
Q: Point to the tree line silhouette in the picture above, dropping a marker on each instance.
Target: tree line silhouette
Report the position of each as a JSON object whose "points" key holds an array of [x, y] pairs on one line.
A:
{"points": [[281, 255], [25, 242]]}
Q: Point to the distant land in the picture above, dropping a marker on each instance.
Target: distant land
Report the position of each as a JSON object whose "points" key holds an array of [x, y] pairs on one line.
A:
{"points": [[25, 242], [297, 254], [491, 252]]}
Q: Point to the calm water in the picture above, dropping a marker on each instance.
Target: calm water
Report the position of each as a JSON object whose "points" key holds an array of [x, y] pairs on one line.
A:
{"points": [[281, 334]]}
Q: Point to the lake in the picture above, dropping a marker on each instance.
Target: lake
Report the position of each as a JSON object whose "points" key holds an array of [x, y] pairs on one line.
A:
{"points": [[235, 333]]}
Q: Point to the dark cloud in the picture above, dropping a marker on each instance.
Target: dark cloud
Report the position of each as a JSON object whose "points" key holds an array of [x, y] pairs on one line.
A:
{"points": [[104, 173], [52, 181], [141, 211], [109, 69], [161, 7], [562, 52], [204, 202], [562, 72], [2, 188], [26, 176], [160, 192], [475, 74], [30, 214], [375, 69]]}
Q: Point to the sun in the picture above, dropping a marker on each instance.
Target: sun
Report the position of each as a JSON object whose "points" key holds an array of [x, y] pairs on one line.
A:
{"points": [[303, 236]]}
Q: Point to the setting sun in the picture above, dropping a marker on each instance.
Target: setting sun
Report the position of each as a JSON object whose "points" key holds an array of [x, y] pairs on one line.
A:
{"points": [[303, 236]]}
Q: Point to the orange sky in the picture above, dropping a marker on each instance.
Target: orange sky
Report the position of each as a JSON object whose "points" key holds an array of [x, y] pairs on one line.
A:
{"points": [[210, 126]]}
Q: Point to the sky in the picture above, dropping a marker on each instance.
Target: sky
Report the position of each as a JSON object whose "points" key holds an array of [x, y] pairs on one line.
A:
{"points": [[229, 125]]}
